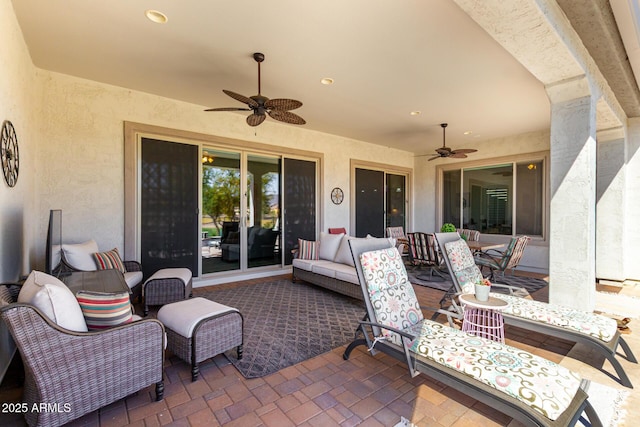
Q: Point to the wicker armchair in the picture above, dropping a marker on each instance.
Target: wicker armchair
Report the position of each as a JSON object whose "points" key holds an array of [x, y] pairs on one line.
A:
{"points": [[82, 371]]}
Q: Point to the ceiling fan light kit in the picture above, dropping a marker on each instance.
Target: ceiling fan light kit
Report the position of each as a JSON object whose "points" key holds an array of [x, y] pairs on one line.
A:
{"points": [[278, 109]]}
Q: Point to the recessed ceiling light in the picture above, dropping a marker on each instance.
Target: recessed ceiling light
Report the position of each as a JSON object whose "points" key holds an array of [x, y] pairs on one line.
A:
{"points": [[327, 81], [469, 132], [415, 113], [156, 16]]}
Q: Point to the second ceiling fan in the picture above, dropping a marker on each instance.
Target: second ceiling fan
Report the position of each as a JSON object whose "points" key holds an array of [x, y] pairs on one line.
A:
{"points": [[445, 151]]}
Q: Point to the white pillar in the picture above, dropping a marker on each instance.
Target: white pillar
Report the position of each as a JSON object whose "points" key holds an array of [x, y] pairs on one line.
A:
{"points": [[631, 249], [573, 191], [610, 208]]}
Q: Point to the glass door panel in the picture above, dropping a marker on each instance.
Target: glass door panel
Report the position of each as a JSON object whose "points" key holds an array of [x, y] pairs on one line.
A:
{"points": [[396, 201], [369, 203], [220, 229], [299, 204], [263, 210]]}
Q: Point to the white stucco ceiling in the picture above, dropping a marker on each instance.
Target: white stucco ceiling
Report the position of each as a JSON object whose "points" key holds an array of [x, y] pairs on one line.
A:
{"points": [[387, 59]]}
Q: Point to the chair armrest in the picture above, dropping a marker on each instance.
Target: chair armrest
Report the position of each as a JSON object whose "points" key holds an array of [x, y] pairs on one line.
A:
{"points": [[450, 314], [132, 266]]}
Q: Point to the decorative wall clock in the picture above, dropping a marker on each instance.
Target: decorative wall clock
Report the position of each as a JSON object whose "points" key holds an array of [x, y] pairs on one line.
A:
{"points": [[9, 153], [337, 195]]}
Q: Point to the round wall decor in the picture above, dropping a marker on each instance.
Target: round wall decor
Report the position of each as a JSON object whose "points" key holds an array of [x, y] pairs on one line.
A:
{"points": [[337, 195], [9, 153]]}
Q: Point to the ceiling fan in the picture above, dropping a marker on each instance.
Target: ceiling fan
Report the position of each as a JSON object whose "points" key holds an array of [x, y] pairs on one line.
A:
{"points": [[261, 105], [445, 151]]}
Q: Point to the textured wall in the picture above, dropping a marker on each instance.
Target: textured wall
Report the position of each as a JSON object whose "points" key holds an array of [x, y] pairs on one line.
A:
{"points": [[83, 165]]}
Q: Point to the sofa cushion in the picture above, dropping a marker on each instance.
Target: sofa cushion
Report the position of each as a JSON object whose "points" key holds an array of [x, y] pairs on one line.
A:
{"points": [[329, 244], [105, 310], [308, 249], [54, 300], [109, 260], [328, 269], [343, 256], [80, 255], [307, 264], [346, 273]]}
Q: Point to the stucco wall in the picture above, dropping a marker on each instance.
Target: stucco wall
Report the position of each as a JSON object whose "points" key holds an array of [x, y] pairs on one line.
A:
{"points": [[19, 97], [83, 162]]}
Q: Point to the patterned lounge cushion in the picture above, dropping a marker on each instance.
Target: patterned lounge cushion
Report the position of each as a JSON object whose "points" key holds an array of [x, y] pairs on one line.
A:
{"points": [[543, 385], [463, 265], [307, 249], [601, 327], [392, 296], [105, 310], [109, 260]]}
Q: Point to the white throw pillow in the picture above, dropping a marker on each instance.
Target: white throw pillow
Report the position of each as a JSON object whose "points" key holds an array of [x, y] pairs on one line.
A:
{"points": [[54, 299], [343, 256], [329, 244], [80, 255]]}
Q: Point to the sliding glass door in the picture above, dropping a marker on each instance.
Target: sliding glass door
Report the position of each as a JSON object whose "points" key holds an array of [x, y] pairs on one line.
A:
{"points": [[380, 201]]}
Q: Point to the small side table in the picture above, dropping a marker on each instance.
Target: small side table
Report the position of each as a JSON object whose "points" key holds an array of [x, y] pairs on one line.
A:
{"points": [[483, 318]]}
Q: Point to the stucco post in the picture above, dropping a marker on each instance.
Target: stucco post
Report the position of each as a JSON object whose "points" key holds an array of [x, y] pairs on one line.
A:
{"points": [[630, 250], [610, 208], [573, 194]]}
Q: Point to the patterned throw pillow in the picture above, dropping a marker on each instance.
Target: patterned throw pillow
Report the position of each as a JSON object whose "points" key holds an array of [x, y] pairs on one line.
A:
{"points": [[308, 249], [104, 310], [108, 260]]}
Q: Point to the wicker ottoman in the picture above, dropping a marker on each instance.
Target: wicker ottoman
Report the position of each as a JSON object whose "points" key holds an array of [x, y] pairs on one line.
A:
{"points": [[166, 286], [198, 329]]}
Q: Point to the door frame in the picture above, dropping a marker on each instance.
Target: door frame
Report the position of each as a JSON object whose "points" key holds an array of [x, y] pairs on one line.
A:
{"points": [[133, 134], [387, 169]]}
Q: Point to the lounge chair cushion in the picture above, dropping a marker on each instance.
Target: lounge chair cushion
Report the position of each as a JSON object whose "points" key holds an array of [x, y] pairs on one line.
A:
{"points": [[600, 327], [463, 264], [543, 385], [392, 296]]}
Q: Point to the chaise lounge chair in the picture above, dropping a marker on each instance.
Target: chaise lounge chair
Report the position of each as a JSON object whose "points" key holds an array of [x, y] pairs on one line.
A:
{"points": [[528, 388], [594, 330]]}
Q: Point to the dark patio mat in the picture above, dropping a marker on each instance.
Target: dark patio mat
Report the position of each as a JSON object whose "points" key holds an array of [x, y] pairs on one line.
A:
{"points": [[286, 323]]}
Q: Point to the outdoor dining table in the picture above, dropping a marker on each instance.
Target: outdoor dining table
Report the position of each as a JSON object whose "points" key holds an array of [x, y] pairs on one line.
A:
{"points": [[480, 246]]}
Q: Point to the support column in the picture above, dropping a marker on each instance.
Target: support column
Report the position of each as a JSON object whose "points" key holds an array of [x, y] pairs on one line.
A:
{"points": [[573, 194], [610, 208], [631, 248]]}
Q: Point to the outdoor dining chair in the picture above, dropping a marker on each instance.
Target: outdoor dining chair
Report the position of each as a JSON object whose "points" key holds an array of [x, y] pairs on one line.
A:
{"points": [[500, 261]]}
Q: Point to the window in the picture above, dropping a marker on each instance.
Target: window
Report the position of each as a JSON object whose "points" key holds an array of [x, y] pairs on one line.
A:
{"points": [[506, 198]]}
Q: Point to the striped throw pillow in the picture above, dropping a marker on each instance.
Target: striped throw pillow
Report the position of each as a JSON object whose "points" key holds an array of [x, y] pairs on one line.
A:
{"points": [[308, 249], [104, 310], [108, 260]]}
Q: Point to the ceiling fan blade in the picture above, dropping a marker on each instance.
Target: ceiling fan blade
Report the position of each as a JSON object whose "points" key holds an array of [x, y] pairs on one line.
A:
{"points": [[287, 117], [255, 119], [228, 109], [435, 157], [250, 102], [282, 104], [464, 151], [458, 156]]}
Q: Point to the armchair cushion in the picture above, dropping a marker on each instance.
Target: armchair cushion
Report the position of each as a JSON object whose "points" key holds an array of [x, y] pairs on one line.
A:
{"points": [[104, 310], [108, 260], [80, 255], [54, 299]]}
